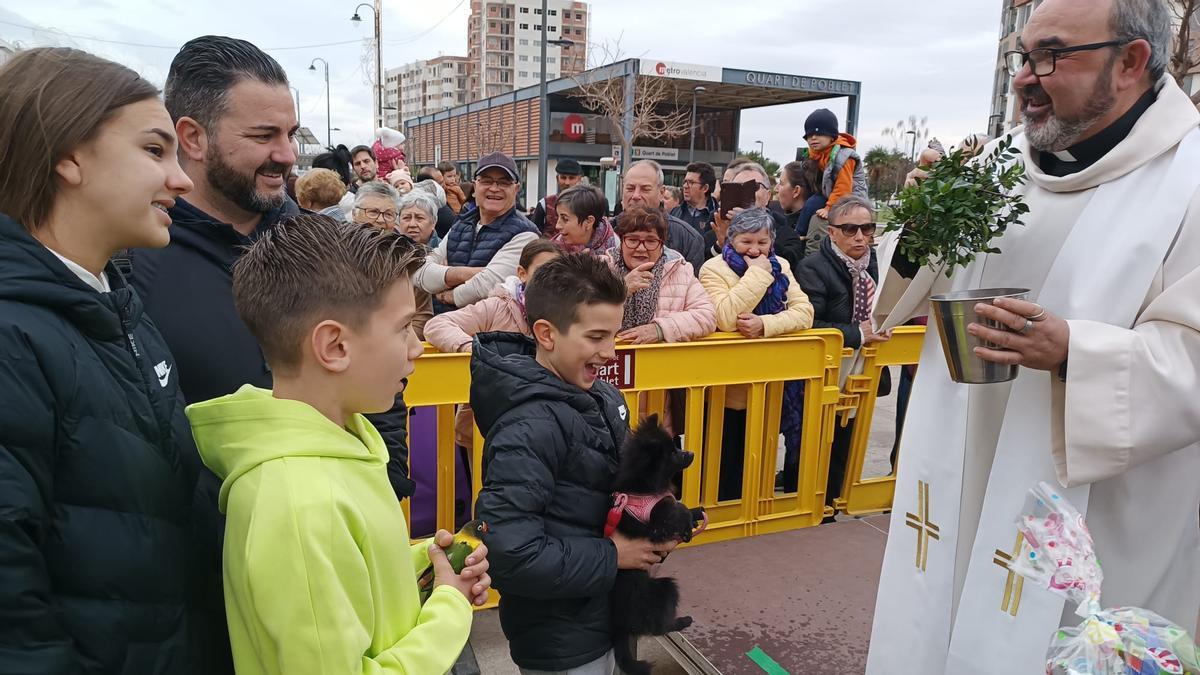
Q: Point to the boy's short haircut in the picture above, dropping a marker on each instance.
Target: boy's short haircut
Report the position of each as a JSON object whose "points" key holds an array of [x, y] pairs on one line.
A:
{"points": [[560, 286], [535, 248], [583, 201], [310, 268], [447, 167]]}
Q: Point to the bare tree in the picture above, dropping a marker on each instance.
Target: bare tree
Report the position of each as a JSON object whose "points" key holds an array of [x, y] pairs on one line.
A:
{"points": [[1185, 57], [656, 113]]}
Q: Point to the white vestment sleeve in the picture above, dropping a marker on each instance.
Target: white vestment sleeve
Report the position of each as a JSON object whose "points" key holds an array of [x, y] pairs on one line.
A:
{"points": [[431, 278], [898, 299], [501, 266], [1130, 395]]}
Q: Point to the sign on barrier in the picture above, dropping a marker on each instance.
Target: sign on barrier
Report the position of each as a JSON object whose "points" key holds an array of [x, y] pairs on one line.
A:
{"points": [[620, 371]]}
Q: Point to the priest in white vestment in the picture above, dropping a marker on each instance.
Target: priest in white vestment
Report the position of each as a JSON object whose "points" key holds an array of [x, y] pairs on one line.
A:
{"points": [[1107, 401]]}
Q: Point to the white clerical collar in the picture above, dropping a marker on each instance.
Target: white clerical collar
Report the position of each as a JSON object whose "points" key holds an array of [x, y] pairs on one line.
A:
{"points": [[99, 283], [1064, 156]]}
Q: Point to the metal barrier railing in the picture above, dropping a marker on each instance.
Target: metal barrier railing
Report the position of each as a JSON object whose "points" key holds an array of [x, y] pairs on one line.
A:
{"points": [[701, 372], [860, 495]]}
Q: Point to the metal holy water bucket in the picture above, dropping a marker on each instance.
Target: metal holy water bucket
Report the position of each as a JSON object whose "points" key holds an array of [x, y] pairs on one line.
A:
{"points": [[953, 312]]}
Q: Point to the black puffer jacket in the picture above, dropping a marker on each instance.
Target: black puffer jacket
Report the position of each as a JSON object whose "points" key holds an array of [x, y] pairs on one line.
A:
{"points": [[97, 475], [550, 456], [829, 288]]}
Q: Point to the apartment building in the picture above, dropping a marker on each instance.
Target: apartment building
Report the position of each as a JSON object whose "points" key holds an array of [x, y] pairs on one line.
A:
{"points": [[504, 44], [423, 88]]}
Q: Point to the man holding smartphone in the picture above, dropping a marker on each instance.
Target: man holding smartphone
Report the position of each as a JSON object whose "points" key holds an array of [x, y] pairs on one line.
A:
{"points": [[734, 199]]}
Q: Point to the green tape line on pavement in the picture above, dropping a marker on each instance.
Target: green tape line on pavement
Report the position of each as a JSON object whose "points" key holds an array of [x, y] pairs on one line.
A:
{"points": [[768, 664]]}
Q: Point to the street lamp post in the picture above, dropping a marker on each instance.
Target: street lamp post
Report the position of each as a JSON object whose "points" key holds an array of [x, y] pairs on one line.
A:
{"points": [[544, 116], [376, 9], [328, 117], [761, 153], [692, 141], [913, 156]]}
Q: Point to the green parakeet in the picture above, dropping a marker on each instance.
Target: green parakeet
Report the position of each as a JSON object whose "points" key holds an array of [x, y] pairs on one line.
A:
{"points": [[465, 541]]}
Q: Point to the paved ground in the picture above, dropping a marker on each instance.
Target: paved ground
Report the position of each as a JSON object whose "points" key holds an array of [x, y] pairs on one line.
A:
{"points": [[812, 608], [491, 649]]}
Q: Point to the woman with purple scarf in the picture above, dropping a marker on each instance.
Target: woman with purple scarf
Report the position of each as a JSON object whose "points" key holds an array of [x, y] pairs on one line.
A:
{"points": [[840, 281], [582, 221], [754, 294]]}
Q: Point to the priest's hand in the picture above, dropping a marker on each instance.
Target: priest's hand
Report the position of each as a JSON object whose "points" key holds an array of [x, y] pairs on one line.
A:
{"points": [[1040, 339]]}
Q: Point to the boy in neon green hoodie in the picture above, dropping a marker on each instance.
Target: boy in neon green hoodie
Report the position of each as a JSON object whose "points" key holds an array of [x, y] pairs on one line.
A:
{"points": [[319, 575]]}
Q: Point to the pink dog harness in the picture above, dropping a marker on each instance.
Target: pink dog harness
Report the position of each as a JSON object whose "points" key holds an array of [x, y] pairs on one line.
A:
{"points": [[640, 507]]}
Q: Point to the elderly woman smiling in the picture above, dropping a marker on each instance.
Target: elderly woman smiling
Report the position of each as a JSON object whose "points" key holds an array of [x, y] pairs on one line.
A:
{"points": [[376, 204], [665, 302], [755, 294]]}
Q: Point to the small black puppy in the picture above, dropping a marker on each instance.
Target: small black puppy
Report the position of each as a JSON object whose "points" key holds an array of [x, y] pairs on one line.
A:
{"points": [[641, 604]]}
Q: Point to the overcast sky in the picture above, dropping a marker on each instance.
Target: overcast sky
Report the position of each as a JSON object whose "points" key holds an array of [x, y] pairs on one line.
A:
{"points": [[929, 58]]}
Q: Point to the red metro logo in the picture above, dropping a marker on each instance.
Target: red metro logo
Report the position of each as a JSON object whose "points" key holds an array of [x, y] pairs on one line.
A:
{"points": [[574, 127], [660, 68]]}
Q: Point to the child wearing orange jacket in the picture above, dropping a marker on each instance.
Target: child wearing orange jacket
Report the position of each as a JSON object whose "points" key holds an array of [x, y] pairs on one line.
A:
{"points": [[826, 145]]}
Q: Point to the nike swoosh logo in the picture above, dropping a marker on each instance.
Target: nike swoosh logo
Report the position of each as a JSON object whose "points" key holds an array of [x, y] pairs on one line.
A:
{"points": [[164, 378]]}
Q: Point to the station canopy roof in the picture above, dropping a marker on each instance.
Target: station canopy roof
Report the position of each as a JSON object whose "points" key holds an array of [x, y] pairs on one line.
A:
{"points": [[724, 88]]}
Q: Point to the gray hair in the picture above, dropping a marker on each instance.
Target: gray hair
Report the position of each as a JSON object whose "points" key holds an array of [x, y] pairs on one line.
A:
{"points": [[1148, 20], [849, 203], [436, 191], [658, 170], [421, 200], [756, 168], [752, 220], [376, 188]]}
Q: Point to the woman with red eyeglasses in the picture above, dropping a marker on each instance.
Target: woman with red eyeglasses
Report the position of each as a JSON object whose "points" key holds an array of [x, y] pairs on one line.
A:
{"points": [[664, 301]]}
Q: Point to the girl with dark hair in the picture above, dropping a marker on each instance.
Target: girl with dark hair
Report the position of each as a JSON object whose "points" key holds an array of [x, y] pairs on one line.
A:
{"points": [[97, 459]]}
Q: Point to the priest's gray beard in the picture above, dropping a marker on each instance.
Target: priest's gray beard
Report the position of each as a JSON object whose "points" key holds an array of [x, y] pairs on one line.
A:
{"points": [[1053, 132]]}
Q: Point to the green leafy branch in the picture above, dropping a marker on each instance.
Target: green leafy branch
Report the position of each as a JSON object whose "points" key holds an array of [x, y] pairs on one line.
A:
{"points": [[960, 207]]}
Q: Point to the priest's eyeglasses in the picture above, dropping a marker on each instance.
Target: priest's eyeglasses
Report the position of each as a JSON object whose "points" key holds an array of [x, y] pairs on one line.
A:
{"points": [[1044, 60]]}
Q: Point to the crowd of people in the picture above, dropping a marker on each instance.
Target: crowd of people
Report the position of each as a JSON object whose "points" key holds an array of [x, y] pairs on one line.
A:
{"points": [[267, 281], [204, 438]]}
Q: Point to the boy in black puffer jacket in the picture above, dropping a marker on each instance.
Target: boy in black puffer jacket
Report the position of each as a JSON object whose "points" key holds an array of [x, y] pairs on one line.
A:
{"points": [[552, 435]]}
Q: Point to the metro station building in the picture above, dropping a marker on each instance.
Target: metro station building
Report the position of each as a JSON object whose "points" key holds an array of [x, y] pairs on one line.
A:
{"points": [[510, 122]]}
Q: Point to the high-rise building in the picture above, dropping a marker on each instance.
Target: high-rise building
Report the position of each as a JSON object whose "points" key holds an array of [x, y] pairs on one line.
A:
{"points": [[423, 88], [1005, 111], [504, 44]]}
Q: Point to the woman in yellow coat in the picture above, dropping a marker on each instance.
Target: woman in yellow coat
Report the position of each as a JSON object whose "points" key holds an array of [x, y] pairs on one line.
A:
{"points": [[755, 294]]}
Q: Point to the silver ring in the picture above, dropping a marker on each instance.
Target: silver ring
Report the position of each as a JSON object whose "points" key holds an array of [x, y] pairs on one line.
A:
{"points": [[1025, 330], [1039, 316]]}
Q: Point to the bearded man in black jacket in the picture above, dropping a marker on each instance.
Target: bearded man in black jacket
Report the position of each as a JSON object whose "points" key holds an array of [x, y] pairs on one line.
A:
{"points": [[234, 115]]}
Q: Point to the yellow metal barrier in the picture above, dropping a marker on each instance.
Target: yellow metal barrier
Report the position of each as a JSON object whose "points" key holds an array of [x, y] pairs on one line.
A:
{"points": [[872, 495], [698, 371]]}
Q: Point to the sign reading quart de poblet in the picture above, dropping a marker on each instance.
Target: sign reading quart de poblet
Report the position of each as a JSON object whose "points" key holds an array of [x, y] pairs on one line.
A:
{"points": [[796, 82], [620, 371]]}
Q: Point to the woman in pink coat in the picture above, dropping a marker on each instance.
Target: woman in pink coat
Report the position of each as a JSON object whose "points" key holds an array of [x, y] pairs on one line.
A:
{"points": [[665, 301], [503, 310]]}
